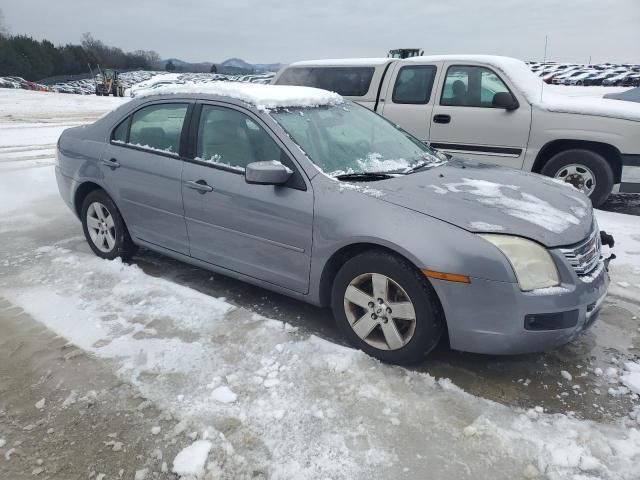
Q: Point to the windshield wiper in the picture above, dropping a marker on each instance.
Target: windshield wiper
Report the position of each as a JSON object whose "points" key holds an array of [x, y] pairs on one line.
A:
{"points": [[421, 165], [366, 176]]}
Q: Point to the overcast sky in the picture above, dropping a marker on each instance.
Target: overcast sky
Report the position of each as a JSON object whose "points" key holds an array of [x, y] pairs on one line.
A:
{"points": [[289, 30]]}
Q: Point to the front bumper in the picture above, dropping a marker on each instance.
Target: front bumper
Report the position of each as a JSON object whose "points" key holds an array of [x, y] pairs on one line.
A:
{"points": [[489, 317]]}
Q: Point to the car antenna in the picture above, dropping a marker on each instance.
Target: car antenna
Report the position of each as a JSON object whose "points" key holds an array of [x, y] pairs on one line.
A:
{"points": [[544, 61]]}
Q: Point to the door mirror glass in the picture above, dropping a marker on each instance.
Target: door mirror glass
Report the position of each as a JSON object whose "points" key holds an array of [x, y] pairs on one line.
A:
{"points": [[270, 172], [505, 100]]}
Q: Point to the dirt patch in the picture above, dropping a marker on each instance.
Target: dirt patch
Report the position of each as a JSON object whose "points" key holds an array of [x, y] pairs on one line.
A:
{"points": [[64, 415]]}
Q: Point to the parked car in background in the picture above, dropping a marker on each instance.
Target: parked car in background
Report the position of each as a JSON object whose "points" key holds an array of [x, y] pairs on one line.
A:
{"points": [[616, 80], [334, 205], [491, 109], [581, 78]]}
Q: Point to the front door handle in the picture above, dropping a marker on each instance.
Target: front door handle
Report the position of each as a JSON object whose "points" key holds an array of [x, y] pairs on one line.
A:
{"points": [[441, 118], [112, 163], [199, 185]]}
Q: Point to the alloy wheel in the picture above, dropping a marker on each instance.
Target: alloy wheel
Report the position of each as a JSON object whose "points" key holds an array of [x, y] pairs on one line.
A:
{"points": [[379, 311], [101, 227]]}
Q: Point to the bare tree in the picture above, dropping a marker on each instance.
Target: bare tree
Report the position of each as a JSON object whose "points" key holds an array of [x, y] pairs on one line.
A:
{"points": [[4, 30]]}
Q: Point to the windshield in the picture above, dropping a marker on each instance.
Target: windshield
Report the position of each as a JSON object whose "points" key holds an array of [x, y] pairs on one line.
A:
{"points": [[349, 139]]}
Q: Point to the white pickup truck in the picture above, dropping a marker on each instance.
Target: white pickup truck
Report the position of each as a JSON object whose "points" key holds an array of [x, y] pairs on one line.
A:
{"points": [[493, 109]]}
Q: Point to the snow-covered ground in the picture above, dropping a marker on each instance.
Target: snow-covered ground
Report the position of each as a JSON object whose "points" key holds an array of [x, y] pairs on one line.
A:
{"points": [[269, 398]]}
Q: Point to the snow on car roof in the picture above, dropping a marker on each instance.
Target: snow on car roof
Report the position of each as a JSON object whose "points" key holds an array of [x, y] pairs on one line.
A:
{"points": [[533, 88], [263, 97], [344, 62]]}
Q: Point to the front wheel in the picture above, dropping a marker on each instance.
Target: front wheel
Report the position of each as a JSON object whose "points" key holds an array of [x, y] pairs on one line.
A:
{"points": [[586, 170], [385, 307], [104, 227]]}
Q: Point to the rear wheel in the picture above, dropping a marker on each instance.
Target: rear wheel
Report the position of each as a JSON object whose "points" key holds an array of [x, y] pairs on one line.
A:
{"points": [[104, 227], [386, 308], [586, 170]]}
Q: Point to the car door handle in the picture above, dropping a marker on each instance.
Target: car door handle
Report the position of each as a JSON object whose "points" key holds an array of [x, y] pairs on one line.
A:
{"points": [[112, 163], [199, 185], [441, 118]]}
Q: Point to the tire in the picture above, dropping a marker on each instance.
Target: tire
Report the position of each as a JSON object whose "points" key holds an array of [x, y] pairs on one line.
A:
{"points": [[418, 338], [595, 165], [115, 241]]}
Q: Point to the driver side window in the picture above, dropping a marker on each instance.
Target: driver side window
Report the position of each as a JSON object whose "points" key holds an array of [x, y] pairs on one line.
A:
{"points": [[471, 86], [232, 139]]}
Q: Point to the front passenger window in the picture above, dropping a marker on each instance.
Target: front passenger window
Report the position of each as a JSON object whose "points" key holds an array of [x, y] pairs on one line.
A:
{"points": [[231, 138], [158, 127]]}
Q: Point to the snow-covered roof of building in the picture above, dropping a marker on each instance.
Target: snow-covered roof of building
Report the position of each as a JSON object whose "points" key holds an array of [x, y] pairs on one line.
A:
{"points": [[263, 97]]}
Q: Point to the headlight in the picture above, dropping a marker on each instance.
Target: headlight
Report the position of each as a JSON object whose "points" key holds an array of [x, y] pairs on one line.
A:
{"points": [[532, 264]]}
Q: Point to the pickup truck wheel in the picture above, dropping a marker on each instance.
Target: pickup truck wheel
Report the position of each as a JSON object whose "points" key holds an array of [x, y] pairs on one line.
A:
{"points": [[104, 227], [385, 307], [586, 170]]}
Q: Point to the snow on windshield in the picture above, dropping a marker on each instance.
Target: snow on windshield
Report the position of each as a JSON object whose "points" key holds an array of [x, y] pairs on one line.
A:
{"points": [[514, 202], [263, 97], [351, 139]]}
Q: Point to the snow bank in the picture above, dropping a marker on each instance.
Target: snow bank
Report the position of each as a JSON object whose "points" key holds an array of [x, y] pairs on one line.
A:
{"points": [[264, 97], [539, 94], [190, 462], [631, 378]]}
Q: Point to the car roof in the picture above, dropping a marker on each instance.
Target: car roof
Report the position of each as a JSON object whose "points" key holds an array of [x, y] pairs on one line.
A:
{"points": [[260, 96]]}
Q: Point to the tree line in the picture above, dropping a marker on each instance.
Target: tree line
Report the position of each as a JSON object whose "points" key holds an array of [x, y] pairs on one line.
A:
{"points": [[23, 56]]}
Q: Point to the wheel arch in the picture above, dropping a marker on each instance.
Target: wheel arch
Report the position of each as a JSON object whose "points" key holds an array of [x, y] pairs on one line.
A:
{"points": [[346, 252], [610, 153], [81, 193]]}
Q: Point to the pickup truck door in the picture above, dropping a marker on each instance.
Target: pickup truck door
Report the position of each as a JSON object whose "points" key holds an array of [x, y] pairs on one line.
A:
{"points": [[409, 95], [465, 124]]}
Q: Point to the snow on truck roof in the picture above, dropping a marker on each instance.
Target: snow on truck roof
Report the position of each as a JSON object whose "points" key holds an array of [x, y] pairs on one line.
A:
{"points": [[523, 79], [263, 97], [344, 62]]}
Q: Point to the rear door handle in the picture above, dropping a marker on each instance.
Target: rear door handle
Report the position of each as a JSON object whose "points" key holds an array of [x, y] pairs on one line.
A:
{"points": [[199, 185], [441, 118], [112, 163]]}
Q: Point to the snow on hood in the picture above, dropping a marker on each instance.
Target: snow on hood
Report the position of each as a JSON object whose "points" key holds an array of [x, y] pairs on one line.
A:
{"points": [[263, 97], [486, 198], [531, 87]]}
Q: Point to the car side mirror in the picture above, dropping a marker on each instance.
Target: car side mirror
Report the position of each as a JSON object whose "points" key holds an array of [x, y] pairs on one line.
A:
{"points": [[505, 100], [270, 172]]}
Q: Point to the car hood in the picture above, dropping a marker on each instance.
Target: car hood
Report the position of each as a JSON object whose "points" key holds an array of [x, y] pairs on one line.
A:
{"points": [[485, 198]]}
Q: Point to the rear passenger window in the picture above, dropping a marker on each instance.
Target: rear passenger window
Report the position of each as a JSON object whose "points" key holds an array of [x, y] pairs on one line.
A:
{"points": [[414, 84], [471, 86], [120, 132], [347, 81], [158, 127]]}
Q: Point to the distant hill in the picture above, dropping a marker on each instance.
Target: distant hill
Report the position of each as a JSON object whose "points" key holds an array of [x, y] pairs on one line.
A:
{"points": [[233, 66]]}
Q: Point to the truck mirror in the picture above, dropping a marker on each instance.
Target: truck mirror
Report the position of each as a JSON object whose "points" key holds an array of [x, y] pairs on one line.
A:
{"points": [[505, 100]]}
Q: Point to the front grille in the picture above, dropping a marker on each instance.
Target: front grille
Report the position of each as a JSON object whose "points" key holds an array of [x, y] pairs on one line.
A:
{"points": [[584, 257]]}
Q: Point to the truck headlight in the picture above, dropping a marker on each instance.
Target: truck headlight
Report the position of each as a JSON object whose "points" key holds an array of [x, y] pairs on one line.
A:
{"points": [[532, 263]]}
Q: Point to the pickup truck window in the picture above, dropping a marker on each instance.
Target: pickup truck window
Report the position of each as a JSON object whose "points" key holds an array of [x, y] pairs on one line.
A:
{"points": [[471, 86], [347, 81], [414, 84]]}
